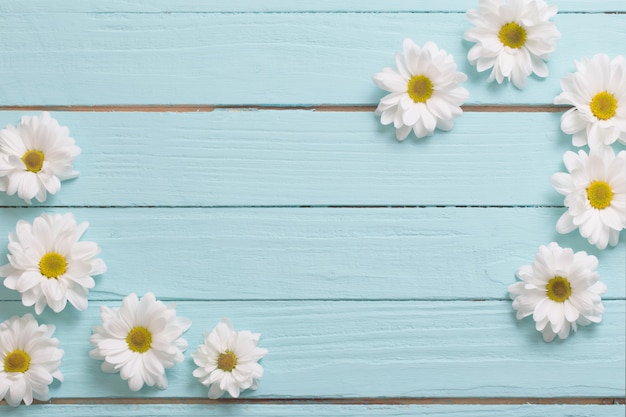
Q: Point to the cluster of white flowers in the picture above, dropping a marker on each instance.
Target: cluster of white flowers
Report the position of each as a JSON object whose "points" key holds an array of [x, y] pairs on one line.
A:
{"points": [[144, 337], [595, 188], [514, 39], [561, 289], [49, 266]]}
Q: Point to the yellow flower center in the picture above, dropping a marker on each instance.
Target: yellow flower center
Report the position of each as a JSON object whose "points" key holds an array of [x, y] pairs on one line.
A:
{"points": [[559, 289], [603, 105], [52, 265], [512, 35], [33, 160], [599, 194], [139, 339], [420, 88], [227, 361], [17, 361]]}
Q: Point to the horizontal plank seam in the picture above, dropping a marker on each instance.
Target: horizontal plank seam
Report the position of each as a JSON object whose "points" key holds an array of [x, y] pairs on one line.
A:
{"points": [[345, 401], [207, 108], [288, 12], [320, 206]]}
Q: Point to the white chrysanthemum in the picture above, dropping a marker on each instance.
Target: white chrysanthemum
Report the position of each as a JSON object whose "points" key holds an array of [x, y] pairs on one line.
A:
{"points": [[140, 340], [228, 360], [597, 90], [49, 266], [595, 195], [31, 360], [514, 38], [425, 91], [561, 289], [35, 157]]}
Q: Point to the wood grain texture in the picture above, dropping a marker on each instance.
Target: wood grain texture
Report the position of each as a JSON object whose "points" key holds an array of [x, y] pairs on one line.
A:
{"points": [[296, 158], [232, 163], [234, 410], [338, 349], [251, 59], [292, 254], [280, 6]]}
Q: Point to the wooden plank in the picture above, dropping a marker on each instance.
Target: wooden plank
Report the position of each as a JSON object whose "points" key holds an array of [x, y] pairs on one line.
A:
{"points": [[337, 349], [267, 58], [295, 158], [360, 254], [279, 6], [319, 410]]}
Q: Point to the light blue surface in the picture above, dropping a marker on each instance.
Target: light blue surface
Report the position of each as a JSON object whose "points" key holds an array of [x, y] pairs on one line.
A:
{"points": [[319, 253], [233, 59], [302, 410], [301, 158], [347, 349], [242, 213], [280, 6]]}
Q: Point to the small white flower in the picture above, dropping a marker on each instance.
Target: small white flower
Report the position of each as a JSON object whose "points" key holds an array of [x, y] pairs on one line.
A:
{"points": [[140, 340], [228, 360], [561, 289], [31, 360], [35, 157], [514, 38], [595, 195], [49, 266], [425, 91], [597, 90]]}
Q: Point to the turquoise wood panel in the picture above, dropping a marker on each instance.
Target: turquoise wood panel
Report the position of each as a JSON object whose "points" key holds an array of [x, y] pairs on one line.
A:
{"points": [[243, 59], [359, 304], [295, 158], [278, 6], [373, 349], [361, 254], [319, 410]]}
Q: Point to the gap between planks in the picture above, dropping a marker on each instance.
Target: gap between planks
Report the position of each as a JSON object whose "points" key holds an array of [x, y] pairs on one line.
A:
{"points": [[207, 108], [343, 401]]}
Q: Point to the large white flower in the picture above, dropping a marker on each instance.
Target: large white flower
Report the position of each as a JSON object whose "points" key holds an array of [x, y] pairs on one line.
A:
{"points": [[560, 289], [597, 90], [595, 195], [49, 266], [228, 360], [513, 38], [425, 91], [140, 340], [31, 360], [35, 157]]}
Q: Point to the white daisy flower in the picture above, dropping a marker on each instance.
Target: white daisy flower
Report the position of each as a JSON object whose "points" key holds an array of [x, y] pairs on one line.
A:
{"points": [[228, 360], [49, 266], [595, 195], [35, 157], [561, 289], [140, 340], [425, 91], [597, 90], [513, 38], [31, 360]]}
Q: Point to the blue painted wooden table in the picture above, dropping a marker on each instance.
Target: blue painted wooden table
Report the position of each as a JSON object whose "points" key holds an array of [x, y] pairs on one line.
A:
{"points": [[231, 162]]}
